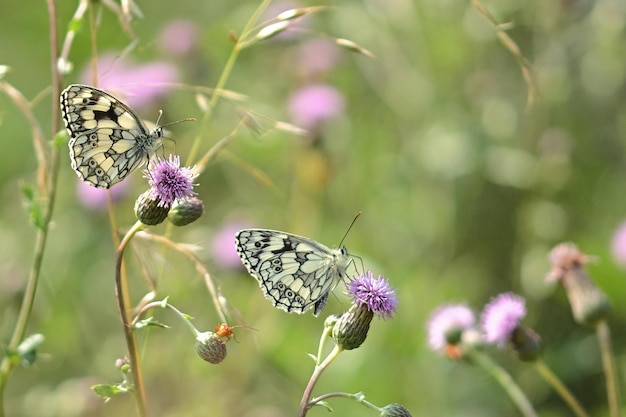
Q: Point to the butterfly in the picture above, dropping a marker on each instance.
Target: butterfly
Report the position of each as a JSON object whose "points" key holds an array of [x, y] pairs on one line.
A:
{"points": [[294, 272], [108, 140]]}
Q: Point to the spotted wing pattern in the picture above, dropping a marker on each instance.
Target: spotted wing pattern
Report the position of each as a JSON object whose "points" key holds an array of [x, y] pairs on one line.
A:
{"points": [[294, 272], [108, 141]]}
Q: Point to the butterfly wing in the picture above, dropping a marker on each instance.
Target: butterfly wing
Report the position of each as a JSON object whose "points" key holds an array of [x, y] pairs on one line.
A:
{"points": [[107, 139], [295, 273]]}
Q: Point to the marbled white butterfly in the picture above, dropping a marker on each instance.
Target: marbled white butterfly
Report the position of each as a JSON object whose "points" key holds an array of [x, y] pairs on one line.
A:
{"points": [[294, 272], [108, 141]]}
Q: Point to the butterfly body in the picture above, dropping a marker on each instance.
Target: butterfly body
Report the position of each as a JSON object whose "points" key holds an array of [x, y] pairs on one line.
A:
{"points": [[108, 140], [294, 272]]}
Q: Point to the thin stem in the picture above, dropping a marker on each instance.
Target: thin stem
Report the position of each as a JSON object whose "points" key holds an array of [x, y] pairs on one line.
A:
{"points": [[47, 188], [505, 380], [131, 341], [327, 331], [208, 280], [331, 395], [560, 388], [162, 304], [610, 370], [304, 403], [221, 82], [514, 49]]}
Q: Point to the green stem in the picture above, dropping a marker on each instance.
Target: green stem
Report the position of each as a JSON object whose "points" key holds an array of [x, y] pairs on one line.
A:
{"points": [[505, 380], [162, 304], [221, 82], [610, 370], [304, 403], [560, 388], [327, 331], [47, 188], [131, 341]]}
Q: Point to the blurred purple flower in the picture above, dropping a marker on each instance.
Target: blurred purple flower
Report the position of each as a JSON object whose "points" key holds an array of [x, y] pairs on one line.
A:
{"points": [[169, 181], [137, 85], [375, 293], [317, 56], [618, 246], [96, 198], [446, 322], [223, 246], [312, 105], [501, 317], [179, 37]]}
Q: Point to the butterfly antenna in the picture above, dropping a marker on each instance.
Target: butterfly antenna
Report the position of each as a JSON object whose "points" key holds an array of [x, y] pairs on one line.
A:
{"points": [[350, 227], [159, 118], [188, 119]]}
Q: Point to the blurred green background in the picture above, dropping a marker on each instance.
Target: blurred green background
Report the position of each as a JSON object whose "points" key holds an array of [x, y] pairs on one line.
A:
{"points": [[464, 189]]}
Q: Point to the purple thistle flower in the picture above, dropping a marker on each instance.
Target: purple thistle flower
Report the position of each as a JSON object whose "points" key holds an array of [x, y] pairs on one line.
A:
{"points": [[448, 322], [169, 181], [501, 316], [375, 293]]}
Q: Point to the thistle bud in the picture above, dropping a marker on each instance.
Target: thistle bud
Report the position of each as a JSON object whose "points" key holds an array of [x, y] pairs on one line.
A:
{"points": [[526, 343], [394, 410], [350, 330], [210, 347], [148, 211], [185, 211]]}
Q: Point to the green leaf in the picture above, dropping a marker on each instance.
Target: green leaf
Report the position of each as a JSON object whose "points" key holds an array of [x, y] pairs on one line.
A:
{"points": [[150, 321], [107, 391], [59, 139], [325, 405], [75, 25], [32, 205], [27, 350]]}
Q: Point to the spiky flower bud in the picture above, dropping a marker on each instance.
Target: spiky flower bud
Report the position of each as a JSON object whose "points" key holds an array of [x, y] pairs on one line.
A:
{"points": [[210, 347], [394, 410], [185, 211], [148, 211], [350, 330], [526, 343]]}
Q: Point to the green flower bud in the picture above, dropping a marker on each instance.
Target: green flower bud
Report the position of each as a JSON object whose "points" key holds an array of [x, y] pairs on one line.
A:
{"points": [[148, 211], [185, 211], [394, 410], [526, 343], [350, 330]]}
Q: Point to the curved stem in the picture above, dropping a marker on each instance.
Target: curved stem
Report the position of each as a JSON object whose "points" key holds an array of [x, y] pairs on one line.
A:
{"points": [[121, 296], [560, 388], [165, 304], [610, 370], [505, 380], [208, 280], [304, 403]]}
